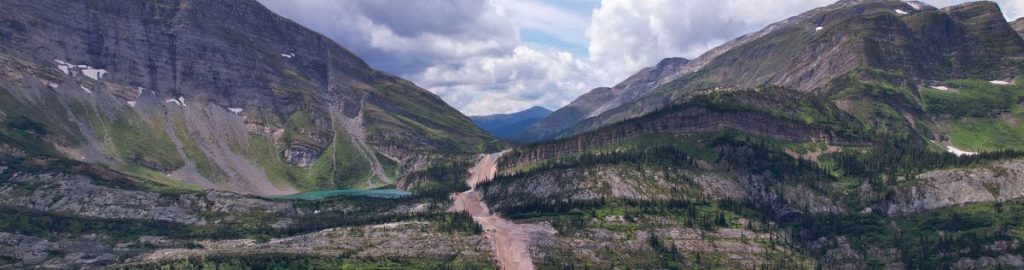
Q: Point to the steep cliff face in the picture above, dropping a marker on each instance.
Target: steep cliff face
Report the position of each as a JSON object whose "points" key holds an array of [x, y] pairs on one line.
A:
{"points": [[222, 94], [810, 51], [1019, 26]]}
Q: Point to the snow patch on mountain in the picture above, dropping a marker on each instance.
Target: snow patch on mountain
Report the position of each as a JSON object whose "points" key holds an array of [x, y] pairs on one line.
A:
{"points": [[915, 5], [959, 152], [68, 69], [94, 73], [131, 103], [180, 101]]}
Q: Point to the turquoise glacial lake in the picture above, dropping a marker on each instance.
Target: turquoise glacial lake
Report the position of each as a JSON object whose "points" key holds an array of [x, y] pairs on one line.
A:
{"points": [[323, 194]]}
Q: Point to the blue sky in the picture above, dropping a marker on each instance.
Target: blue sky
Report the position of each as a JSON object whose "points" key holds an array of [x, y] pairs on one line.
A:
{"points": [[576, 42], [501, 56]]}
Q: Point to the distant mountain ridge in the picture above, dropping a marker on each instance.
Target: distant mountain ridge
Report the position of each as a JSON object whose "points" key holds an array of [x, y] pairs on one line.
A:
{"points": [[602, 99], [810, 51], [508, 126]]}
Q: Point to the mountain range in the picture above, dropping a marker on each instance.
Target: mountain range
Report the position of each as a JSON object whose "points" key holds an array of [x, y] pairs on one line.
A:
{"points": [[866, 134], [508, 126], [812, 51], [248, 102]]}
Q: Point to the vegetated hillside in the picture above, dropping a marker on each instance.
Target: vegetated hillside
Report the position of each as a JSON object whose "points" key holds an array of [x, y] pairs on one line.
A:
{"points": [[762, 177], [819, 51], [217, 94], [896, 144], [508, 126], [130, 132], [57, 213], [871, 171]]}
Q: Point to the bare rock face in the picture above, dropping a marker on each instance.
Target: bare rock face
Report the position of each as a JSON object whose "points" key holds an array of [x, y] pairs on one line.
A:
{"points": [[8, 152], [933, 190], [406, 240], [632, 249], [1018, 25], [78, 196], [1003, 261], [838, 254], [200, 81], [234, 203], [606, 182], [74, 195], [87, 252], [300, 155]]}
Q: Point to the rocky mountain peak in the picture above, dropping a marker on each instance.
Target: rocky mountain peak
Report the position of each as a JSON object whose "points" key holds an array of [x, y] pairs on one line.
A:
{"points": [[1018, 25], [507, 126], [536, 110], [672, 62]]}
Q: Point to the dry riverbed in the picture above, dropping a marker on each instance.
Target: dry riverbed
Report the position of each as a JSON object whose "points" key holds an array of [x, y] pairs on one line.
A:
{"points": [[510, 240]]}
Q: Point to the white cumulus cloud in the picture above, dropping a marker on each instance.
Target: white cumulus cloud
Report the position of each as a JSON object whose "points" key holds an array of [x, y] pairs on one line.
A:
{"points": [[527, 77], [626, 36], [470, 52], [405, 37]]}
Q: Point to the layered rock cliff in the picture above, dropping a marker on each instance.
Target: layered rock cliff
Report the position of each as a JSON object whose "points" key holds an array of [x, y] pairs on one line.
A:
{"points": [[222, 94]]}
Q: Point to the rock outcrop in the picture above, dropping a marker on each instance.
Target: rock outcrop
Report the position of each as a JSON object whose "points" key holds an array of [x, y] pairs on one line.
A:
{"points": [[1019, 26], [599, 245], [946, 188], [77, 195], [410, 241]]}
